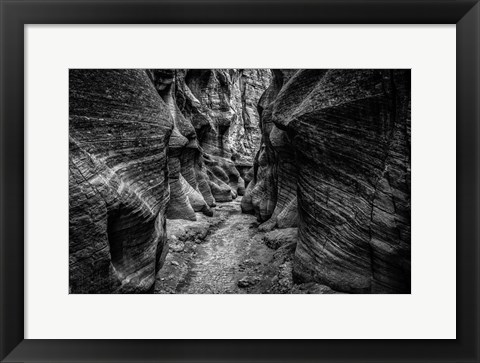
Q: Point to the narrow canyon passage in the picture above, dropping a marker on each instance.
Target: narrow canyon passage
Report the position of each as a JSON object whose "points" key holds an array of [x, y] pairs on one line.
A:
{"points": [[221, 254], [171, 172]]}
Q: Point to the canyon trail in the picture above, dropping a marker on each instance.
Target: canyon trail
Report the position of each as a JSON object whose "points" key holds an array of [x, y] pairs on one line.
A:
{"points": [[228, 254], [222, 254]]}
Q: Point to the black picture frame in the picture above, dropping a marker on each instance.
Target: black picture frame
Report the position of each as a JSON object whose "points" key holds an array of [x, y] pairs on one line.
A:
{"points": [[15, 14]]}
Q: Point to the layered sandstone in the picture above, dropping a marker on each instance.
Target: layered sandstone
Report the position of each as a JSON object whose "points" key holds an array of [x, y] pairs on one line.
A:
{"points": [[271, 193], [216, 133], [119, 130], [336, 145]]}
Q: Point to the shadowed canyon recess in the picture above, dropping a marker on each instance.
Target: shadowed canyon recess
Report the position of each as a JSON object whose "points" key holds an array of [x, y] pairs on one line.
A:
{"points": [[221, 181]]}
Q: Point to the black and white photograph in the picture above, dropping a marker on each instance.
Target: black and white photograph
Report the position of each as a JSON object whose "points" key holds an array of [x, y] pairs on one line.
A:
{"points": [[240, 181]]}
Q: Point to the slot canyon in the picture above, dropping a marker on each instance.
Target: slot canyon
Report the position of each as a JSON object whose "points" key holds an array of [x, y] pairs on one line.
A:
{"points": [[237, 181]]}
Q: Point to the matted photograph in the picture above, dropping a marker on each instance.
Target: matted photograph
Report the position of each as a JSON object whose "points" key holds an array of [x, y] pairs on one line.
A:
{"points": [[239, 181]]}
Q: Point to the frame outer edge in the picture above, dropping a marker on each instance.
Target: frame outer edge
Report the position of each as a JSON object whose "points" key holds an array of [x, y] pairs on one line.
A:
{"points": [[468, 180], [12, 180], [11, 329], [3, 328]]}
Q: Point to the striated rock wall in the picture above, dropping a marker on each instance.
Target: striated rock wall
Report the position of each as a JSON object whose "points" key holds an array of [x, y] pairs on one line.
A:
{"points": [[185, 195], [119, 130], [215, 135], [271, 193], [146, 145], [341, 140], [227, 100]]}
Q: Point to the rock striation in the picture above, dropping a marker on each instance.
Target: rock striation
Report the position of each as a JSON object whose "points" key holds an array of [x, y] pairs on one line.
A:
{"points": [[321, 158], [271, 194], [336, 146], [146, 145], [215, 136], [118, 178]]}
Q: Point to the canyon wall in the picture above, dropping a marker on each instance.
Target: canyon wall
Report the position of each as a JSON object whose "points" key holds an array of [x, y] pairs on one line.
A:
{"points": [[146, 145], [336, 146], [119, 131], [216, 133], [271, 194]]}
